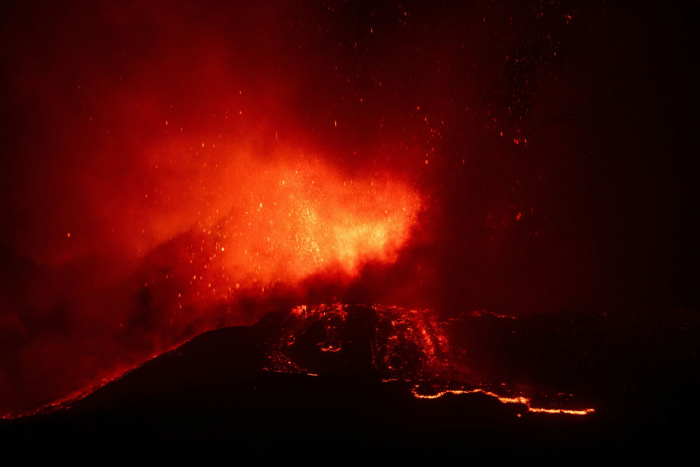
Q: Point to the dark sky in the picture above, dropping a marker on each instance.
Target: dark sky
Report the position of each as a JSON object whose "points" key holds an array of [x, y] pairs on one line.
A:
{"points": [[551, 143]]}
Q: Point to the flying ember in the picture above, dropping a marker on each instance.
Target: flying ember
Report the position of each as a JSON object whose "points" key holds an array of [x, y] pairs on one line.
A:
{"points": [[289, 222]]}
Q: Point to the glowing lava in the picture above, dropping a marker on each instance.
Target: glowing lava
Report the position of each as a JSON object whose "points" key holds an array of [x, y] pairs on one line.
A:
{"points": [[405, 347], [272, 226], [505, 400], [409, 346]]}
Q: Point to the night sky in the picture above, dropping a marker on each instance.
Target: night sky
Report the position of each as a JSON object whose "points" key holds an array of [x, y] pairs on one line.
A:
{"points": [[529, 156]]}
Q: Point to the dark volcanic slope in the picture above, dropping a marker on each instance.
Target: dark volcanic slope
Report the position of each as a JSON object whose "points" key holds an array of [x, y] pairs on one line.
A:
{"points": [[249, 391]]}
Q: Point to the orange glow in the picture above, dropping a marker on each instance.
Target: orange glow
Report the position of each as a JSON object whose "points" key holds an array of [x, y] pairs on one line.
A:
{"points": [[410, 346], [68, 400], [292, 222], [565, 411], [505, 400], [283, 223]]}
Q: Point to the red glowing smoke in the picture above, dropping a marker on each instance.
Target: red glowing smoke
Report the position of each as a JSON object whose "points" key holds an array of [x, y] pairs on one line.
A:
{"points": [[159, 177]]}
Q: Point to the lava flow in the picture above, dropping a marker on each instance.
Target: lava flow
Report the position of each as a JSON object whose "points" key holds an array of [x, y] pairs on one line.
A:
{"points": [[407, 346]]}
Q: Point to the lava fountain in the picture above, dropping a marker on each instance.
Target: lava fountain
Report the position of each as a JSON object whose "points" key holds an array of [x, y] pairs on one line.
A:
{"points": [[234, 227], [291, 221], [282, 224]]}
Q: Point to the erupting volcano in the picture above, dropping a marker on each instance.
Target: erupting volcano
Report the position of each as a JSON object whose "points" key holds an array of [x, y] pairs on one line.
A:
{"points": [[418, 227], [408, 347]]}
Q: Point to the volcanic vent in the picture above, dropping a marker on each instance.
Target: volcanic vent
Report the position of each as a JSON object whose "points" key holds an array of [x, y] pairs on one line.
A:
{"points": [[389, 342], [409, 347], [412, 351], [386, 376]]}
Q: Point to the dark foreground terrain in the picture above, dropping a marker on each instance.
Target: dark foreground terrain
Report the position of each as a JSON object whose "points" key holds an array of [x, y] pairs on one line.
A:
{"points": [[328, 385]]}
